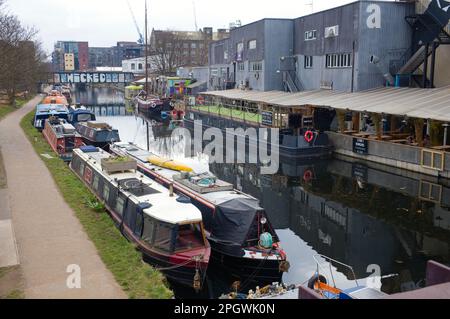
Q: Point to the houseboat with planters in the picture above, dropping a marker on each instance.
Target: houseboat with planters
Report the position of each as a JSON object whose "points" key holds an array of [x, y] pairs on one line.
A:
{"points": [[165, 227], [98, 134], [78, 113], [300, 132], [62, 137], [242, 238], [44, 111]]}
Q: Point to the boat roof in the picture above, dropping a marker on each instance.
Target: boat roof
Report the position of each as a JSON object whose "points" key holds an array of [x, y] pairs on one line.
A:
{"points": [[51, 108], [142, 155], [163, 207]]}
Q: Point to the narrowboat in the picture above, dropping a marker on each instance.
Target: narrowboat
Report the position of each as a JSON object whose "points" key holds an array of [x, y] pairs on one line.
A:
{"points": [[166, 228], [62, 137], [291, 132], [78, 113], [242, 239], [55, 97], [44, 111], [156, 108], [98, 134]]}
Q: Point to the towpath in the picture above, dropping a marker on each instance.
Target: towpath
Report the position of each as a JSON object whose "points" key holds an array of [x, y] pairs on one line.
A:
{"points": [[49, 236]]}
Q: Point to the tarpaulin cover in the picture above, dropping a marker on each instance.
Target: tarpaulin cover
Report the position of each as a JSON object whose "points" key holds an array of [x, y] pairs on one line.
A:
{"points": [[233, 219]]}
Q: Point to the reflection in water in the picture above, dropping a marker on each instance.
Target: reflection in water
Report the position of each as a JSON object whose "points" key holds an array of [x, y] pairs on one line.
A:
{"points": [[358, 213]]}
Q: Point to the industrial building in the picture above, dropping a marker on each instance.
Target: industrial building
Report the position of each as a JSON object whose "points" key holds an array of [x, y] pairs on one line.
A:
{"points": [[354, 47]]}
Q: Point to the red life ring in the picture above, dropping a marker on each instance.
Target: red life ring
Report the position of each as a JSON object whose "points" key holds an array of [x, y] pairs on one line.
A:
{"points": [[307, 176], [309, 136]]}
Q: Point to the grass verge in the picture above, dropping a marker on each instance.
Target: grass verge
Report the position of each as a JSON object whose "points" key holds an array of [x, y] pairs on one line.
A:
{"points": [[6, 109], [137, 279], [11, 283]]}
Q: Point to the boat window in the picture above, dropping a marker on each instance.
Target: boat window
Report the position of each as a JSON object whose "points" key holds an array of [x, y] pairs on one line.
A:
{"points": [[138, 224], [106, 192], [189, 236], [119, 205], [95, 183], [163, 237], [84, 117], [81, 169], [148, 234]]}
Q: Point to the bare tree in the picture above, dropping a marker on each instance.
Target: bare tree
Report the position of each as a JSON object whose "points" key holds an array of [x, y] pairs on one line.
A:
{"points": [[166, 52], [21, 57]]}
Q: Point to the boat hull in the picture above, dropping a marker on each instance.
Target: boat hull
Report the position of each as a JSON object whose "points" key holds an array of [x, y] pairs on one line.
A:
{"points": [[285, 152], [250, 272]]}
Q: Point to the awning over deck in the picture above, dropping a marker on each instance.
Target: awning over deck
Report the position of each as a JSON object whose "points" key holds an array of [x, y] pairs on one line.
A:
{"points": [[412, 102]]}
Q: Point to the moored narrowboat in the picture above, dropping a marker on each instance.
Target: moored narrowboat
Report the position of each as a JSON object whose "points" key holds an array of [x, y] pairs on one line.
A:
{"points": [[44, 111], [242, 239], [98, 134], [167, 230], [78, 113], [154, 107], [55, 97], [62, 137]]}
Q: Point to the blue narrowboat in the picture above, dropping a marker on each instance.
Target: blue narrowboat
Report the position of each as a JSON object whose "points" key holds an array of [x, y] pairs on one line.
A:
{"points": [[44, 111], [98, 134], [80, 114]]}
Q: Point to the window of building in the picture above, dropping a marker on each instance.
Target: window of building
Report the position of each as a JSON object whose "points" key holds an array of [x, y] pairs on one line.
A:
{"points": [[193, 45], [140, 66], [310, 35], [256, 66], [133, 66], [252, 44], [308, 61], [186, 45], [214, 72], [193, 52], [185, 52], [201, 45], [241, 66], [339, 60]]}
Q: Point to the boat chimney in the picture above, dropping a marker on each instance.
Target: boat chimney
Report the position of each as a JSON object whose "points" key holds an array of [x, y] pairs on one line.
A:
{"points": [[171, 189]]}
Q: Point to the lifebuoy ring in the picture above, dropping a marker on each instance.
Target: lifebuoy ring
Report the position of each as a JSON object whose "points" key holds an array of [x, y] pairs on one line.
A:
{"points": [[308, 175], [309, 136], [153, 105]]}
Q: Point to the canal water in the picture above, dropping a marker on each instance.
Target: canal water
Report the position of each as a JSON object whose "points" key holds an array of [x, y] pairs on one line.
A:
{"points": [[383, 222]]}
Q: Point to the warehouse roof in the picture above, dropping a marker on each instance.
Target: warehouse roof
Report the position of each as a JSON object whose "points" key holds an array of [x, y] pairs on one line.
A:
{"points": [[411, 102]]}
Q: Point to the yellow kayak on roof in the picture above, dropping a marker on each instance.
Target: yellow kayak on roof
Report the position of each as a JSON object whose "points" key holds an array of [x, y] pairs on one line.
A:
{"points": [[170, 164]]}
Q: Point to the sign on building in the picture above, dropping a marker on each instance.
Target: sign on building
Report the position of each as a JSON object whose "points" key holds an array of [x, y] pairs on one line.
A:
{"points": [[267, 118], [360, 146]]}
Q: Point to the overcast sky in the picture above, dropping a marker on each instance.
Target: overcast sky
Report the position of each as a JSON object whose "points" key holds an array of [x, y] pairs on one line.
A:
{"points": [[104, 22]]}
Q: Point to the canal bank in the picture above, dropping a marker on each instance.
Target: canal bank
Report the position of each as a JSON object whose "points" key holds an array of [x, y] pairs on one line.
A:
{"points": [[48, 235]]}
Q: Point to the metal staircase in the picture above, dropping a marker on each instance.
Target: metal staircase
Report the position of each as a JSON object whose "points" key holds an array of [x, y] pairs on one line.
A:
{"points": [[291, 82], [430, 30], [415, 61]]}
